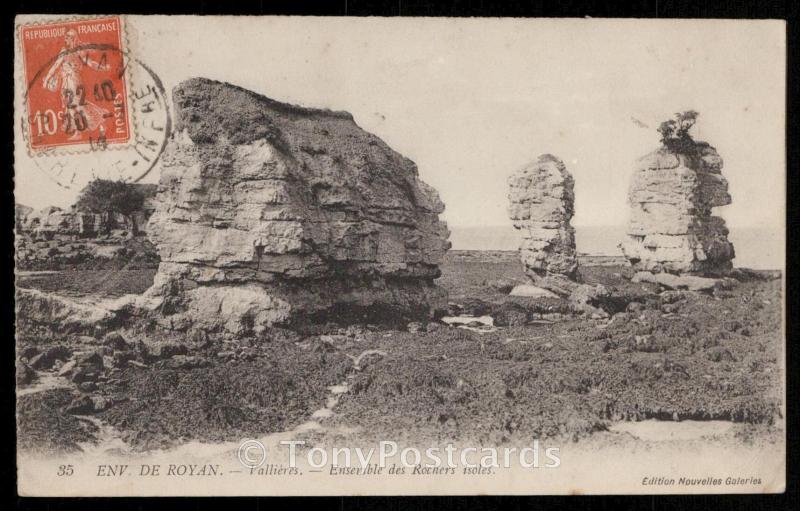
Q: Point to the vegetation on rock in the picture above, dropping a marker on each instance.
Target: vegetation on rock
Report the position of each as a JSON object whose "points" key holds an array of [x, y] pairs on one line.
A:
{"points": [[107, 197], [675, 134]]}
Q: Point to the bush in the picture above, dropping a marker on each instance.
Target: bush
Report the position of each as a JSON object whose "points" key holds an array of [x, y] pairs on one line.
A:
{"points": [[675, 132], [107, 197]]}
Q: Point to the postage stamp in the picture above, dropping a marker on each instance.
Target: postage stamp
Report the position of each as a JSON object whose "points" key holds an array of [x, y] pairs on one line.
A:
{"points": [[76, 91], [88, 107]]}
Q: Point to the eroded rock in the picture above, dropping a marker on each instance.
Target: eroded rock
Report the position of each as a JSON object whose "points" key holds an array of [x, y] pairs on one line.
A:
{"points": [[671, 226], [687, 282], [37, 310], [529, 291], [268, 214], [542, 196], [542, 199], [48, 358]]}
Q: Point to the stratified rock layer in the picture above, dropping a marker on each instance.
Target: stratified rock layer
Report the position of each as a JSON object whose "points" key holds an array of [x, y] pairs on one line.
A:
{"points": [[269, 213], [541, 196], [671, 227]]}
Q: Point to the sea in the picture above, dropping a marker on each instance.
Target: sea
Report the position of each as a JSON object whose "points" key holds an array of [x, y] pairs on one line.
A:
{"points": [[760, 248]]}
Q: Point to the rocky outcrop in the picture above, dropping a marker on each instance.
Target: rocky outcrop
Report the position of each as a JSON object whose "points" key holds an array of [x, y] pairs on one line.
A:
{"points": [[671, 227], [542, 199], [47, 219], [56, 239], [109, 252], [21, 212], [38, 311], [51, 221], [542, 202], [688, 282], [269, 213]]}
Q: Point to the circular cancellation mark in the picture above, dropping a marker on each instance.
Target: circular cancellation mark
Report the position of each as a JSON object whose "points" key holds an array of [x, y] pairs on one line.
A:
{"points": [[108, 116]]}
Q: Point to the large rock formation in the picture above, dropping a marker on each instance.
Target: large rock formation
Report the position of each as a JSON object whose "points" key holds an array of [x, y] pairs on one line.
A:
{"points": [[542, 202], [671, 227], [542, 199], [269, 213]]}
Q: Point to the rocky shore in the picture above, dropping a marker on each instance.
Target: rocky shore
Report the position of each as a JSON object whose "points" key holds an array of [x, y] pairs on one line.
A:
{"points": [[535, 367]]}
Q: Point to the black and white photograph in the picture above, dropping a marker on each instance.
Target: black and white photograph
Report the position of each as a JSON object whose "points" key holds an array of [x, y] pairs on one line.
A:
{"points": [[280, 255]]}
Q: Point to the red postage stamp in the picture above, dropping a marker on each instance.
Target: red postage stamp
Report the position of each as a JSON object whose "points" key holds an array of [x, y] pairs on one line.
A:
{"points": [[76, 90]]}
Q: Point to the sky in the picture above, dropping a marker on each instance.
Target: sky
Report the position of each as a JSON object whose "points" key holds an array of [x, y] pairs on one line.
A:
{"points": [[473, 100]]}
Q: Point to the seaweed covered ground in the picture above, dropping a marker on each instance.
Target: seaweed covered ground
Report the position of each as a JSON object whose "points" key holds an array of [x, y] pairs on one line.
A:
{"points": [[541, 371]]}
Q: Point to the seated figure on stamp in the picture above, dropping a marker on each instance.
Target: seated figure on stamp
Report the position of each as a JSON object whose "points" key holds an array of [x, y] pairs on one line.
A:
{"points": [[64, 77]]}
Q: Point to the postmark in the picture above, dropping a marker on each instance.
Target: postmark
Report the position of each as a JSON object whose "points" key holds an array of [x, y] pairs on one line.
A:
{"points": [[91, 109]]}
